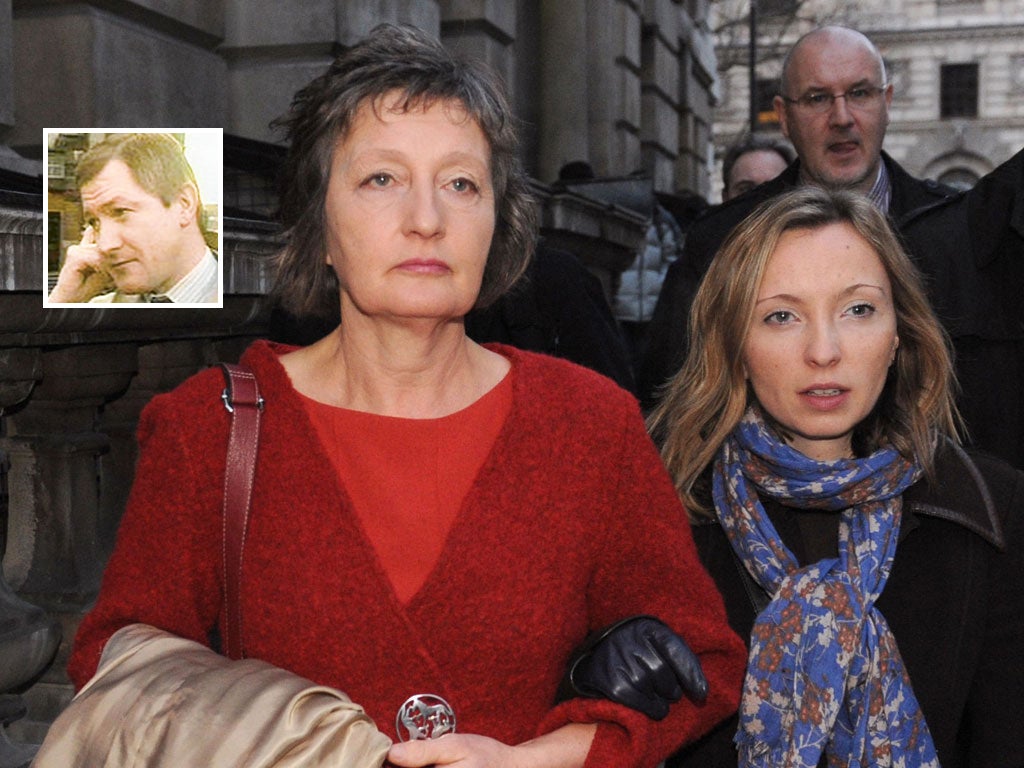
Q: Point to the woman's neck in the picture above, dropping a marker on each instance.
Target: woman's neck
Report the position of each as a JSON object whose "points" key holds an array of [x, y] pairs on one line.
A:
{"points": [[409, 370]]}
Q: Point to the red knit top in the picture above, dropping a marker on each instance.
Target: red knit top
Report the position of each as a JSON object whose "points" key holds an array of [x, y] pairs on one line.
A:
{"points": [[407, 478], [571, 523]]}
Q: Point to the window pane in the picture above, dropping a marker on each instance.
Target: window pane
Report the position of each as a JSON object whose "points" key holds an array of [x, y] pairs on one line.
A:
{"points": [[959, 96]]}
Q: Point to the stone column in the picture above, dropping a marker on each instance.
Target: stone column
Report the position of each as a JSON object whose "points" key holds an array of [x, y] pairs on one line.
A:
{"points": [[613, 66], [28, 636], [53, 448], [28, 641], [54, 555], [6, 67], [564, 96], [8, 158]]}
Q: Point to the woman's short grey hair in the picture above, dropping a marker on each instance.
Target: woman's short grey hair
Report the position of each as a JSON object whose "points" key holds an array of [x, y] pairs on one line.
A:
{"points": [[393, 59]]}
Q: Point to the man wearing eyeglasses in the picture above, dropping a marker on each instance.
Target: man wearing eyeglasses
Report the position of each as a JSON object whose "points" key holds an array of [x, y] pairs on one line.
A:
{"points": [[834, 109]]}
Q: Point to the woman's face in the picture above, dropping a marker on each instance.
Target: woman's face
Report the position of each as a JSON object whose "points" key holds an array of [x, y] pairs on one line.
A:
{"points": [[410, 211], [822, 337]]}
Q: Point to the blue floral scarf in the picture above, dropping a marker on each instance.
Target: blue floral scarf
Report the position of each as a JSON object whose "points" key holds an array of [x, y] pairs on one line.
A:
{"points": [[824, 675]]}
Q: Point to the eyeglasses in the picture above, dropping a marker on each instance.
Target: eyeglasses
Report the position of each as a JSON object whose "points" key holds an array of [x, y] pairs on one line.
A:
{"points": [[862, 97]]}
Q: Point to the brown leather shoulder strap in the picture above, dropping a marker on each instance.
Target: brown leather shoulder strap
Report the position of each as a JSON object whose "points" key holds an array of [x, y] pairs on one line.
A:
{"points": [[242, 399]]}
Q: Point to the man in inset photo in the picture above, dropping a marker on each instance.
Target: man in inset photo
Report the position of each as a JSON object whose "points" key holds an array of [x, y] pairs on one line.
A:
{"points": [[144, 238]]}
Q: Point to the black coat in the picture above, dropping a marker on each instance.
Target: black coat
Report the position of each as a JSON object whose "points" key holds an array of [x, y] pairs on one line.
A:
{"points": [[954, 602], [666, 336], [559, 308], [971, 251]]}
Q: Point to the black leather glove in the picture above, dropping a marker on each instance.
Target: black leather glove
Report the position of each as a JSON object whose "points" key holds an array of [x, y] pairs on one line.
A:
{"points": [[639, 662]]}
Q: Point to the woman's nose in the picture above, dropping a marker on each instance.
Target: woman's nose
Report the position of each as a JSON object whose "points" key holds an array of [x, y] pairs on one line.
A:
{"points": [[424, 212], [823, 347]]}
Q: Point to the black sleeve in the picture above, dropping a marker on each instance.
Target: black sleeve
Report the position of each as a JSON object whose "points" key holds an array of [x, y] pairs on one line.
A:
{"points": [[667, 332], [558, 308], [999, 681]]}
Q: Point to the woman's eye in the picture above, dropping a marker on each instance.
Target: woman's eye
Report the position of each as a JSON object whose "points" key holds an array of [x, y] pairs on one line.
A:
{"points": [[779, 317], [463, 185], [861, 310], [378, 180]]}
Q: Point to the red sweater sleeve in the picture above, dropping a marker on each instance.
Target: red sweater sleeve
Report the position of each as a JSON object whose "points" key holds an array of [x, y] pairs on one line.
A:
{"points": [[651, 561]]}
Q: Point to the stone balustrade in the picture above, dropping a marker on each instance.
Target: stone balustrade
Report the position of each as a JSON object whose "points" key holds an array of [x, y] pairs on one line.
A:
{"points": [[73, 382]]}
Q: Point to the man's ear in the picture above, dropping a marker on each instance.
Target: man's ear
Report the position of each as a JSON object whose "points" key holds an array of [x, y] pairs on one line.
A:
{"points": [[188, 205]]}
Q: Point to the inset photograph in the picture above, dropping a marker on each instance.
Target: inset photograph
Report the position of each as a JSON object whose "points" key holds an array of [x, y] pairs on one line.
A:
{"points": [[133, 217]]}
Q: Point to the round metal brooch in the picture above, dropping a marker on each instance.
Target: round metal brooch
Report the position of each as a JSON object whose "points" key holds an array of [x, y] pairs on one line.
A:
{"points": [[424, 716]]}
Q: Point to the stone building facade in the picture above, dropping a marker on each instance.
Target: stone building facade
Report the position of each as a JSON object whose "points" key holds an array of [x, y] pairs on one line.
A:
{"points": [[957, 68], [623, 84]]}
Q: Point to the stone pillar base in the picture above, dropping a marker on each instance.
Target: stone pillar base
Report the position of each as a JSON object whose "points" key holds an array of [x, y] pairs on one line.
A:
{"points": [[12, 753]]}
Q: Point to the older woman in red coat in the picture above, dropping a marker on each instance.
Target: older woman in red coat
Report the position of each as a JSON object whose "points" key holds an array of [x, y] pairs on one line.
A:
{"points": [[430, 515]]}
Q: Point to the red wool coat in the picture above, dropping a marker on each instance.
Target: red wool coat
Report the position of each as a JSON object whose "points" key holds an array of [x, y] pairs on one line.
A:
{"points": [[571, 524]]}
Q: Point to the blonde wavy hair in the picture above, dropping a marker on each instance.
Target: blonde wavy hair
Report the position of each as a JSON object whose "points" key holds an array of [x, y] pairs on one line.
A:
{"points": [[702, 404]]}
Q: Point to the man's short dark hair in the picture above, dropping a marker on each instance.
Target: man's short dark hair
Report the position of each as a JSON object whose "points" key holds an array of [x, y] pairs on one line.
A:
{"points": [[754, 142]]}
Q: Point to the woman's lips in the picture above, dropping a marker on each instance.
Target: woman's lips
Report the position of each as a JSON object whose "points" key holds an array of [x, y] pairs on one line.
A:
{"points": [[425, 266], [824, 398]]}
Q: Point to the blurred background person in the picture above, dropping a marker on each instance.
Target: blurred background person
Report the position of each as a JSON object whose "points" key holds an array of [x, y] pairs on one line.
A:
{"points": [[969, 249], [751, 162]]}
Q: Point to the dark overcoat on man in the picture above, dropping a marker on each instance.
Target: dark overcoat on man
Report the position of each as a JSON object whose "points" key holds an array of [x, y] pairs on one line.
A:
{"points": [[971, 250]]}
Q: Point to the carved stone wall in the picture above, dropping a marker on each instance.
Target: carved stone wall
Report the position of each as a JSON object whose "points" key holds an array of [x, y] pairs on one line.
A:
{"points": [[72, 384]]}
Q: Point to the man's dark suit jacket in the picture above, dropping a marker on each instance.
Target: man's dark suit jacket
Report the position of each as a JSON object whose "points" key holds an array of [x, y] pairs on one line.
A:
{"points": [[971, 250]]}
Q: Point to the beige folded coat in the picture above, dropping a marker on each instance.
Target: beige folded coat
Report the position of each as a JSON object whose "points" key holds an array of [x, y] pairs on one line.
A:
{"points": [[160, 701]]}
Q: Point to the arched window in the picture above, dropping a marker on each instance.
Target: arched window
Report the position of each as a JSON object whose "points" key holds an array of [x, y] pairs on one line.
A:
{"points": [[959, 178]]}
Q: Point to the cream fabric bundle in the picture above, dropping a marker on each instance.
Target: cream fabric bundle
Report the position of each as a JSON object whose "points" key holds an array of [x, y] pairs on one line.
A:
{"points": [[160, 701]]}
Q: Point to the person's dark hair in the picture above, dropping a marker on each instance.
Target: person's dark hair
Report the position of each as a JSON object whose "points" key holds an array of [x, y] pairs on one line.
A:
{"points": [[156, 160], [576, 170], [754, 142], [393, 59]]}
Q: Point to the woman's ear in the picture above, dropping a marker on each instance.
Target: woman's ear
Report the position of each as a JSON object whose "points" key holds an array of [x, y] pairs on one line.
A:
{"points": [[895, 346]]}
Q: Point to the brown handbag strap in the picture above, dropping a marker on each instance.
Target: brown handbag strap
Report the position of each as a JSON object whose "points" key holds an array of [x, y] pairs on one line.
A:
{"points": [[242, 399]]}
